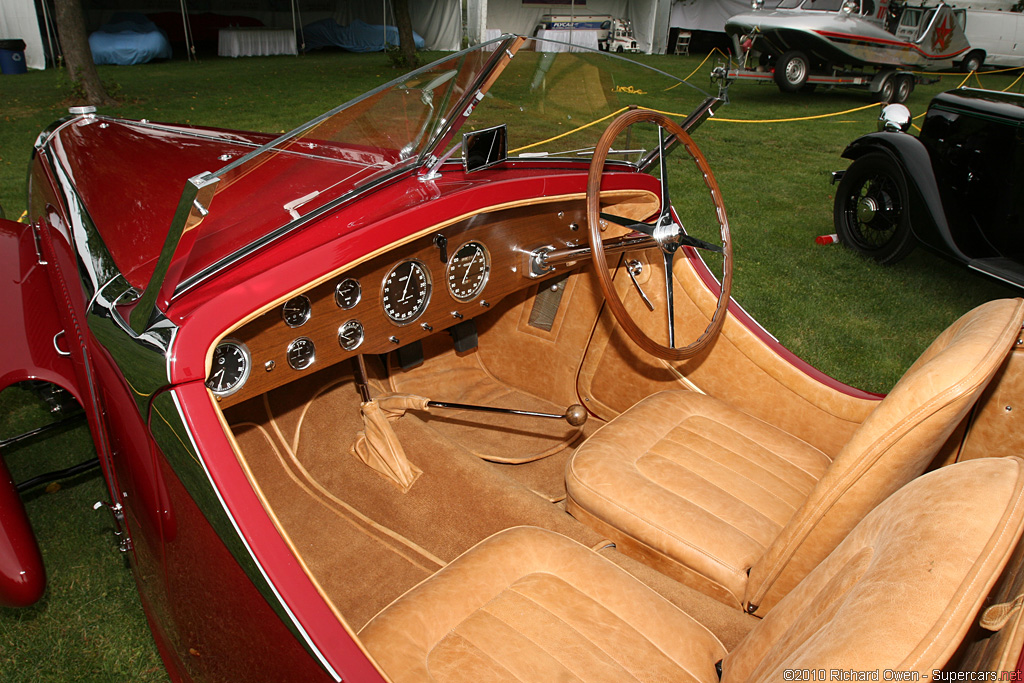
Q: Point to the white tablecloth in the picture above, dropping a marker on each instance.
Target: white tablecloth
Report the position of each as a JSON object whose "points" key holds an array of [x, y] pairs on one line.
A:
{"points": [[247, 42], [587, 39]]}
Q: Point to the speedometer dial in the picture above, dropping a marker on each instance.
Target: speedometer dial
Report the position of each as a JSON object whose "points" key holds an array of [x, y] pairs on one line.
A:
{"points": [[467, 271], [230, 368], [406, 292]]}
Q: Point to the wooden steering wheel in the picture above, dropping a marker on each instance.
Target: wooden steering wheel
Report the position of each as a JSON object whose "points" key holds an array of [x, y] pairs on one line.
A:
{"points": [[664, 233]]}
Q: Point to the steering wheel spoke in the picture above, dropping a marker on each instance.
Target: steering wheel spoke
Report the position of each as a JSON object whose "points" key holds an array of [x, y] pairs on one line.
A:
{"points": [[665, 233]]}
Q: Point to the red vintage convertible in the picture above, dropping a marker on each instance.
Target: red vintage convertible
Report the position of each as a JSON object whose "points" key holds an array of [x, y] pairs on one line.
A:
{"points": [[446, 384]]}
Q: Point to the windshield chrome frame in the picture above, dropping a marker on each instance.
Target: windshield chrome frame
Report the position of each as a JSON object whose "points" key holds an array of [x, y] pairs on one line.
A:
{"points": [[504, 50]]}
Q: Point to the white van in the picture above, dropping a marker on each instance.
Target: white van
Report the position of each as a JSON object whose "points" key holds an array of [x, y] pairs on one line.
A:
{"points": [[996, 38]]}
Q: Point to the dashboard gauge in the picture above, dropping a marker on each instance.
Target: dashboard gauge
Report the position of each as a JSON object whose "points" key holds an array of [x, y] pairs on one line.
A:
{"points": [[230, 367], [297, 310], [350, 335], [347, 294], [468, 270], [406, 292], [301, 353]]}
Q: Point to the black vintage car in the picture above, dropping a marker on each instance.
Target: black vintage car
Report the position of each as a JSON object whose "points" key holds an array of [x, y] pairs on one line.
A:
{"points": [[954, 188]]}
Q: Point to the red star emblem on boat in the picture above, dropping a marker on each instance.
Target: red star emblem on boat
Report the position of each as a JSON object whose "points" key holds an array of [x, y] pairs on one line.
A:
{"points": [[942, 33]]}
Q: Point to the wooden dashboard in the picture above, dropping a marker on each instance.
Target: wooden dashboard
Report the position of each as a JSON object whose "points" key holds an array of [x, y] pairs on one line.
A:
{"points": [[439, 279]]}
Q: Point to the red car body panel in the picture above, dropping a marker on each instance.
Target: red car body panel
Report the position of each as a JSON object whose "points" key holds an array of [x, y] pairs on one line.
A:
{"points": [[226, 594]]}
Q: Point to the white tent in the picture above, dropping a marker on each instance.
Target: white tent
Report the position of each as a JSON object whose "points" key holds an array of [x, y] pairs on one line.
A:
{"points": [[488, 18], [706, 15], [439, 22], [19, 20]]}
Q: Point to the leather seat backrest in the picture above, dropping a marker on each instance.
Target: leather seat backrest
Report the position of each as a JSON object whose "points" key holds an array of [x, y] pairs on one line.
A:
{"points": [[894, 445], [902, 590]]}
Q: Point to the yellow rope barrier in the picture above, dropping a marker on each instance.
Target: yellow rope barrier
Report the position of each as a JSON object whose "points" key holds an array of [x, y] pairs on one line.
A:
{"points": [[786, 120], [800, 118], [570, 132]]}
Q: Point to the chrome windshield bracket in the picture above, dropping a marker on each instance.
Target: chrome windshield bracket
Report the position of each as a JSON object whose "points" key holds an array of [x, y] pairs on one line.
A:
{"points": [[193, 207]]}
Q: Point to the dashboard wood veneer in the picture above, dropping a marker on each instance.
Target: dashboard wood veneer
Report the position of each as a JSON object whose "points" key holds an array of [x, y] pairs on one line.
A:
{"points": [[509, 234]]}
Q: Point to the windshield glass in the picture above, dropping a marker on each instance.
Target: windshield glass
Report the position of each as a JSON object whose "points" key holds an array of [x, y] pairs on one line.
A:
{"points": [[555, 99]]}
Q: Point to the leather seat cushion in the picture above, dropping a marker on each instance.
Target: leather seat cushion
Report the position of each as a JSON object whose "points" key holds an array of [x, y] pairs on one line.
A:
{"points": [[903, 588], [528, 604], [696, 481]]}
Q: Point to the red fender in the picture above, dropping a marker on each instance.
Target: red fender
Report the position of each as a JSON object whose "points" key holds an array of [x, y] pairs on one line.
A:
{"points": [[28, 351], [22, 576]]}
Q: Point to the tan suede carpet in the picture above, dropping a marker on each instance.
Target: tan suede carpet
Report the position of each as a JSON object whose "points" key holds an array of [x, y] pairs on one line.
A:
{"points": [[363, 541], [382, 541], [447, 376]]}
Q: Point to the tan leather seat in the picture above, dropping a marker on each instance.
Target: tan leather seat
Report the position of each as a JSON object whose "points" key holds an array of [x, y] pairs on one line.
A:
{"points": [[900, 593], [743, 511]]}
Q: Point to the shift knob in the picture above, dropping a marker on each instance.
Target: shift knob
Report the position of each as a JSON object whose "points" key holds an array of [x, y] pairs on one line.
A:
{"points": [[575, 415]]}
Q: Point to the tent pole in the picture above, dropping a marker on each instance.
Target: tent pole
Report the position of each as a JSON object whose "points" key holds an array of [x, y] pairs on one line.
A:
{"points": [[295, 28], [190, 48], [57, 54]]}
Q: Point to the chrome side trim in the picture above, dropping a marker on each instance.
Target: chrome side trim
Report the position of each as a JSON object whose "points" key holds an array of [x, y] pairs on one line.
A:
{"points": [[184, 457]]}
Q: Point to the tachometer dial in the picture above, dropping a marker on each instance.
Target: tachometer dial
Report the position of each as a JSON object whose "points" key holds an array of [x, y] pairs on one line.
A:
{"points": [[230, 367], [467, 271], [350, 335], [301, 353], [406, 292], [296, 311], [347, 294]]}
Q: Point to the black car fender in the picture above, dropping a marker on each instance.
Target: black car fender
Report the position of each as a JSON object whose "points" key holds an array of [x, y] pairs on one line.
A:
{"points": [[928, 219]]}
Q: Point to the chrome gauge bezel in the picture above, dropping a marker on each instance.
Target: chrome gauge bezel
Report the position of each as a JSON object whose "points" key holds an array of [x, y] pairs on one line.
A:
{"points": [[348, 306], [350, 324], [243, 376], [299, 307], [477, 288], [420, 308], [306, 361]]}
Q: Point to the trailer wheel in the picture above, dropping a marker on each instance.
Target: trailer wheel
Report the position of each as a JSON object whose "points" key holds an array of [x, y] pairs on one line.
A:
{"points": [[871, 213], [791, 71], [903, 87], [887, 91], [973, 61]]}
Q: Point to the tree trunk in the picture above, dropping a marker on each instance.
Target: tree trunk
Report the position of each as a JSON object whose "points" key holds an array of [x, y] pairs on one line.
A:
{"points": [[77, 54], [406, 41]]}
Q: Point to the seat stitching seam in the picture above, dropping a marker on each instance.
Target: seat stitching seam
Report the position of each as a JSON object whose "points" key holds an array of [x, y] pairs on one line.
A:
{"points": [[682, 541], [479, 650], [598, 647], [758, 444], [737, 472]]}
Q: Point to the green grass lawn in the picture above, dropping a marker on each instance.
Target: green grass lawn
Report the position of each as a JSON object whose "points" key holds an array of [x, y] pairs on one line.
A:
{"points": [[857, 321]]}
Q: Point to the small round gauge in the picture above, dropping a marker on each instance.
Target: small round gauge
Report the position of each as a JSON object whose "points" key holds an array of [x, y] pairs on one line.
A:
{"points": [[350, 335], [297, 310], [406, 292], [230, 367], [347, 294], [301, 353], [467, 271]]}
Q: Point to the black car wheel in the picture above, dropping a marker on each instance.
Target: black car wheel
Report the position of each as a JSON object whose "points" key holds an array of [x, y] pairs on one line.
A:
{"points": [[791, 71], [973, 61], [871, 211]]}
